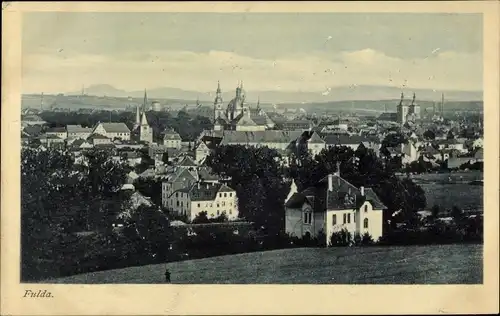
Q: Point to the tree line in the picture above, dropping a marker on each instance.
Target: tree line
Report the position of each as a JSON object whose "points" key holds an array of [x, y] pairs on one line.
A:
{"points": [[189, 127]]}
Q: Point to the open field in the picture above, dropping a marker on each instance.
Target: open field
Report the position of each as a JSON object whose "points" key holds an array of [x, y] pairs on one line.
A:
{"points": [[449, 189], [437, 264]]}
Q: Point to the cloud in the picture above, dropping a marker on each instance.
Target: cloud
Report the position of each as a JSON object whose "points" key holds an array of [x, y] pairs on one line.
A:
{"points": [[53, 71]]}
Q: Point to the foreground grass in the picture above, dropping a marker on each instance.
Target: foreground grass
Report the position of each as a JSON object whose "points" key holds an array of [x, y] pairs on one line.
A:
{"points": [[437, 264]]}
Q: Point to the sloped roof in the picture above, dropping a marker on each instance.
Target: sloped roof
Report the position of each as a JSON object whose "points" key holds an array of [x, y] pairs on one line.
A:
{"points": [[97, 136], [388, 117], [181, 175], [220, 121], [343, 196], [316, 139], [339, 139], [207, 191], [115, 127], [206, 174], [187, 162], [171, 135], [373, 198], [78, 129], [269, 136], [56, 130], [245, 120]]}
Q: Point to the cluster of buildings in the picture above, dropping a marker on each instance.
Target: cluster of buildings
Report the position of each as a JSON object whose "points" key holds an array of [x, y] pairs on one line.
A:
{"points": [[189, 187]]}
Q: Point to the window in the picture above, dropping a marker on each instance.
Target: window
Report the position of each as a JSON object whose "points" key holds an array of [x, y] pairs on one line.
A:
{"points": [[230, 194], [217, 204], [199, 204], [177, 203], [366, 208], [349, 218], [217, 212], [220, 194], [182, 204], [307, 218], [354, 218], [365, 223], [345, 218], [225, 194], [230, 211], [334, 219], [177, 194]]}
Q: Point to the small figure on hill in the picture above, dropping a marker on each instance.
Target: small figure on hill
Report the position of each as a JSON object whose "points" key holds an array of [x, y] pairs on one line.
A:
{"points": [[167, 276]]}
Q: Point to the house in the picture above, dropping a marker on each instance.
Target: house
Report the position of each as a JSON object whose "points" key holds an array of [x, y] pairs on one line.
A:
{"points": [[450, 144], [201, 152], [51, 140], [113, 130], [332, 205], [180, 179], [172, 139], [57, 131], [78, 132], [352, 141], [477, 143], [214, 198], [315, 144], [293, 125], [98, 139], [429, 153]]}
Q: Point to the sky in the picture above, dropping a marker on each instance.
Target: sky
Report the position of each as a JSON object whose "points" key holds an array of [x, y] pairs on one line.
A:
{"points": [[268, 51]]}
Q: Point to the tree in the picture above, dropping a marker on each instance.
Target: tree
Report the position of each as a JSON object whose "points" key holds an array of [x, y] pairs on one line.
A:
{"points": [[450, 135], [393, 140], [435, 212], [258, 180], [103, 178], [151, 228], [457, 214], [164, 157], [430, 135], [201, 218]]}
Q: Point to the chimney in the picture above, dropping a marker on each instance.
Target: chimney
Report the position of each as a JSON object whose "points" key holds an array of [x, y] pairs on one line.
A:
{"points": [[198, 185], [330, 182], [362, 190], [208, 185]]}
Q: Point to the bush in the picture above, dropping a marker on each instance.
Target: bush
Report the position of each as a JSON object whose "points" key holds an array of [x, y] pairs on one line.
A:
{"points": [[341, 238]]}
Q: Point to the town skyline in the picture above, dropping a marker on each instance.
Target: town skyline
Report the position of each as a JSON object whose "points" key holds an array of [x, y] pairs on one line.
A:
{"points": [[315, 52]]}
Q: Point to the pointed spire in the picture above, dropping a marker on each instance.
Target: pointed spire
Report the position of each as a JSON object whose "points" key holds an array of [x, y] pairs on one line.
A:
{"points": [[145, 102], [218, 86], [413, 100], [137, 116], [144, 120]]}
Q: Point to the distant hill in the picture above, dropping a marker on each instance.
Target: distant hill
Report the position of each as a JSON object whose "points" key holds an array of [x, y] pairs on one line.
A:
{"points": [[335, 94]]}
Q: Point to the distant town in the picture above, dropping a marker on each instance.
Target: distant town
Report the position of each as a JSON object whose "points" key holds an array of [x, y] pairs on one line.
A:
{"points": [[167, 181]]}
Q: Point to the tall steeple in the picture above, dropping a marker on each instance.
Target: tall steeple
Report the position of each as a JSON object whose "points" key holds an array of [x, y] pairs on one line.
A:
{"points": [[442, 103], [413, 100], [138, 116], [145, 102], [144, 120], [258, 103]]}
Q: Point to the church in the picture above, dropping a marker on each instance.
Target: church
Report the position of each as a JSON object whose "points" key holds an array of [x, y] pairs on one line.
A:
{"points": [[142, 130], [238, 115], [407, 112]]}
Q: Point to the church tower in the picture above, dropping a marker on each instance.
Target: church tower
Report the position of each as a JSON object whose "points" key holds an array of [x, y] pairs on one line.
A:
{"points": [[137, 117], [145, 102], [402, 110], [218, 103], [146, 132]]}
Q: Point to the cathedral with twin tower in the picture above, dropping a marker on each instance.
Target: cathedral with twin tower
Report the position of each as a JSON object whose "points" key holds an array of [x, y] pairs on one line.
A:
{"points": [[238, 115]]}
